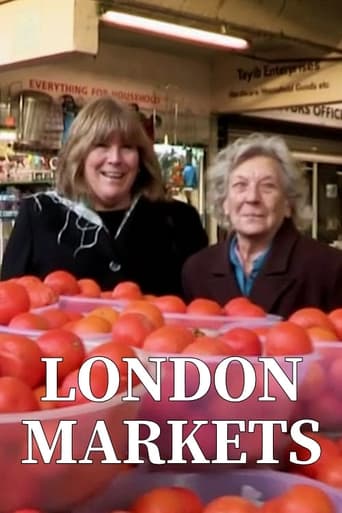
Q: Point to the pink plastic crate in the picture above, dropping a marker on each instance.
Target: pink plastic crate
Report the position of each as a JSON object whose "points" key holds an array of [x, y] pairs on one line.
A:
{"points": [[214, 407], [90, 341], [256, 485], [56, 487], [321, 395], [85, 305]]}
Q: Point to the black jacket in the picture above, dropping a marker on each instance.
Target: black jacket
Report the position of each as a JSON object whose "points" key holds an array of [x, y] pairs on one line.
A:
{"points": [[51, 234], [297, 272]]}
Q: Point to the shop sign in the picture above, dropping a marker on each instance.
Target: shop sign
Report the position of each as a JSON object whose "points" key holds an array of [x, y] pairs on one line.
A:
{"points": [[178, 105], [242, 84], [58, 88], [150, 79], [329, 115]]}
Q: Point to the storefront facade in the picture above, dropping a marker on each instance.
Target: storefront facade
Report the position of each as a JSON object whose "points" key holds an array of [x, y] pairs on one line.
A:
{"points": [[194, 104]]}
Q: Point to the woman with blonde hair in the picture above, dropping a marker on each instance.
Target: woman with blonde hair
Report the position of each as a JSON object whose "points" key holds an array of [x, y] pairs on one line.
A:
{"points": [[256, 190], [108, 218]]}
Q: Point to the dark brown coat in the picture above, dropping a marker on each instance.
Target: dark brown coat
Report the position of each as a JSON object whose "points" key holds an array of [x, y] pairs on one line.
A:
{"points": [[298, 272]]}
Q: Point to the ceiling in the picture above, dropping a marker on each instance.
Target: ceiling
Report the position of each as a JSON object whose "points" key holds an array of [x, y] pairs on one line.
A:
{"points": [[277, 29], [280, 29]]}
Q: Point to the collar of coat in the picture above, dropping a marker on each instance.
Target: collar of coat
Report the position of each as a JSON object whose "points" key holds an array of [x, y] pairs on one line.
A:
{"points": [[273, 279]]}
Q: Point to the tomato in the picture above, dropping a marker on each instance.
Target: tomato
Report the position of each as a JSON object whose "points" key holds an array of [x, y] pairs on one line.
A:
{"points": [[106, 312], [90, 324], [327, 411], [252, 310], [127, 290], [13, 301], [132, 328], [303, 498], [28, 280], [261, 331], [309, 317], [205, 345], [98, 385], [107, 294], [271, 506], [230, 504], [20, 358], [172, 499], [115, 351], [16, 396], [62, 282], [315, 382], [40, 392], [319, 334], [28, 321], [41, 294], [64, 344], [89, 288], [147, 309], [334, 376], [55, 317], [336, 318], [287, 339], [330, 472], [169, 304], [235, 306], [201, 306], [329, 451], [242, 341], [168, 339]]}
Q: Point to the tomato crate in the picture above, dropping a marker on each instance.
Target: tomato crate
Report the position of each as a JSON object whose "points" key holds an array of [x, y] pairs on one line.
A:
{"points": [[256, 485]]}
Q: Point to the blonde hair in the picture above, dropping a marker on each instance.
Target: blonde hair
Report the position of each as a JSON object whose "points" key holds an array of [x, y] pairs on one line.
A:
{"points": [[244, 148], [95, 124]]}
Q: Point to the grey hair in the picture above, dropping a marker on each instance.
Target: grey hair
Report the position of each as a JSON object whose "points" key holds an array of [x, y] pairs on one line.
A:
{"points": [[254, 145]]}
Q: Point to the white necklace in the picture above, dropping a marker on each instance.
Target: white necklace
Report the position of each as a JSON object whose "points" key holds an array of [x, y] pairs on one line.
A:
{"points": [[113, 265], [126, 216]]}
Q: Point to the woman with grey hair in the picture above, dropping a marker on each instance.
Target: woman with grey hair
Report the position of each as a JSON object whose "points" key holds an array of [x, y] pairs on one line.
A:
{"points": [[108, 218], [257, 191]]}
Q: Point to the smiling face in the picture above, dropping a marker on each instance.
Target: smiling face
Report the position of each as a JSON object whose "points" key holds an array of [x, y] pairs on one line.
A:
{"points": [[110, 171], [256, 203]]}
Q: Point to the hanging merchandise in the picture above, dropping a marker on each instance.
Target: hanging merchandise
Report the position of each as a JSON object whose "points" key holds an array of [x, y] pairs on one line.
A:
{"points": [[172, 111], [31, 110], [190, 171], [70, 110]]}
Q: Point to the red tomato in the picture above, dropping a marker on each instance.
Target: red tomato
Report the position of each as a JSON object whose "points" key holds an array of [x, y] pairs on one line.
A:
{"points": [[16, 396], [168, 339], [20, 357], [230, 504], [168, 499], [64, 344], [132, 328], [169, 304], [287, 339], [242, 341], [13, 300], [62, 282]]}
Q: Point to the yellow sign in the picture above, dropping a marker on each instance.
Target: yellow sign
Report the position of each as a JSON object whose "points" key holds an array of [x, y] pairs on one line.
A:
{"points": [[242, 84]]}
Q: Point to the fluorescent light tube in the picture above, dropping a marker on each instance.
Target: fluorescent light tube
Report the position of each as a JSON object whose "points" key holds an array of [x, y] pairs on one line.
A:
{"points": [[175, 31]]}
